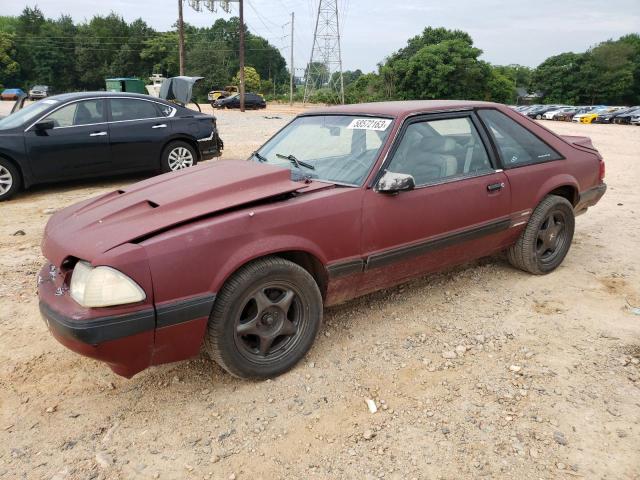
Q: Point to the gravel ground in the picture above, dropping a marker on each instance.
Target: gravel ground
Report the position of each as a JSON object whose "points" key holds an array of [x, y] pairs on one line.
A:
{"points": [[478, 372]]}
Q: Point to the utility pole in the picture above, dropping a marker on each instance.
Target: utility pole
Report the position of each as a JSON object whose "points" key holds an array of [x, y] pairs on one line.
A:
{"points": [[326, 57], [241, 56], [291, 63], [181, 37]]}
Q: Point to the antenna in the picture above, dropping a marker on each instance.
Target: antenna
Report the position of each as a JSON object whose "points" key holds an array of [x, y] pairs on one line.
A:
{"points": [[325, 67]]}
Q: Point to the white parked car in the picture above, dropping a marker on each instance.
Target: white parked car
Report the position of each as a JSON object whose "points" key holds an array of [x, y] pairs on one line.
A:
{"points": [[550, 115]]}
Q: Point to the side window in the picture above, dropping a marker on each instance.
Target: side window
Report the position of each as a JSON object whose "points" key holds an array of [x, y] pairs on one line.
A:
{"points": [[78, 113], [130, 109], [516, 144], [166, 110], [438, 149]]}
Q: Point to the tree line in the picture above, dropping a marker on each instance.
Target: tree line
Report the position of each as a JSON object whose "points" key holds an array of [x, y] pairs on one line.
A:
{"points": [[438, 63], [444, 64], [69, 57]]}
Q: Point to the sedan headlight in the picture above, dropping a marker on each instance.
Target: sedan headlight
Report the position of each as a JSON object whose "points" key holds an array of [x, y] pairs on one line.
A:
{"points": [[103, 286]]}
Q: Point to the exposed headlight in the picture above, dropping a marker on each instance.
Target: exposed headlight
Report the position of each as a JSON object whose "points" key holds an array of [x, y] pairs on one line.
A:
{"points": [[103, 287]]}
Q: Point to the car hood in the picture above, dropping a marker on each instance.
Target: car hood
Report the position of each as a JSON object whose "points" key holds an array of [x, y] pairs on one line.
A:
{"points": [[95, 226]]}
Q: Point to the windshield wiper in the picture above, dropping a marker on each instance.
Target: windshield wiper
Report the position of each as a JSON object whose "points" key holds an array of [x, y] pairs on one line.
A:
{"points": [[259, 157], [295, 161]]}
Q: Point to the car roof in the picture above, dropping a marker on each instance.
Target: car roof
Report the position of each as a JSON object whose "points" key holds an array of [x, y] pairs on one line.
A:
{"points": [[401, 108], [64, 97]]}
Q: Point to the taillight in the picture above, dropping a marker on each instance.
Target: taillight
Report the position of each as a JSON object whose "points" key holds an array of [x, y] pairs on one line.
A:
{"points": [[602, 170]]}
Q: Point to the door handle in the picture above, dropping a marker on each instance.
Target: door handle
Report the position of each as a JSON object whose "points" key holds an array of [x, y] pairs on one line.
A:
{"points": [[162, 125], [494, 187], [97, 134]]}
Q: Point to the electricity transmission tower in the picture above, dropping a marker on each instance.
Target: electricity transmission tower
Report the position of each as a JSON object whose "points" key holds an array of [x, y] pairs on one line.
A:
{"points": [[325, 67]]}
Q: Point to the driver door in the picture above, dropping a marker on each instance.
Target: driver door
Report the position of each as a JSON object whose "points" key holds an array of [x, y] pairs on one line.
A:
{"points": [[458, 211], [77, 146]]}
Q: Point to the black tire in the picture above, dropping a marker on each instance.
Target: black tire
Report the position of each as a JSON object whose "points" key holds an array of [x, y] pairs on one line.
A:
{"points": [[168, 161], [543, 245], [236, 308], [10, 179], [538, 117]]}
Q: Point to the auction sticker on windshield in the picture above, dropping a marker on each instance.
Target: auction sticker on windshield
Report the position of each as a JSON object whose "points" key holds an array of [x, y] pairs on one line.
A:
{"points": [[379, 124]]}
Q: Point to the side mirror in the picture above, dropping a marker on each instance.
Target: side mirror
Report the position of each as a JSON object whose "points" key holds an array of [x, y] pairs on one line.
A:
{"points": [[43, 125], [392, 182]]}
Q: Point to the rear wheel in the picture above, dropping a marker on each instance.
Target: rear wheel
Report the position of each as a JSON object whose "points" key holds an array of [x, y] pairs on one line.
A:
{"points": [[546, 239], [10, 179], [265, 319], [177, 156]]}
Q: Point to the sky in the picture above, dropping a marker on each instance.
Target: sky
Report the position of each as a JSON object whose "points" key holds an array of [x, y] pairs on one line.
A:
{"points": [[508, 31]]}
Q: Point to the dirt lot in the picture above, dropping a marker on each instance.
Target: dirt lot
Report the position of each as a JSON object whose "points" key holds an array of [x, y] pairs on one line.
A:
{"points": [[545, 384]]}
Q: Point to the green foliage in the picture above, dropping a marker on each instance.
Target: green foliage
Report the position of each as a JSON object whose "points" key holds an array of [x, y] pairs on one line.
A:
{"points": [[68, 57], [438, 63], [161, 54], [501, 87], [519, 74], [560, 78], [251, 79], [608, 73], [9, 68]]}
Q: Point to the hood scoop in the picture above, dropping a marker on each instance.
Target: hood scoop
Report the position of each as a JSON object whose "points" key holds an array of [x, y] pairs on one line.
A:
{"points": [[138, 211]]}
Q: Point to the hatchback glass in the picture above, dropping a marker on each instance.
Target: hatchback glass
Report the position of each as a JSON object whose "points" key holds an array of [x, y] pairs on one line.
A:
{"points": [[336, 148]]}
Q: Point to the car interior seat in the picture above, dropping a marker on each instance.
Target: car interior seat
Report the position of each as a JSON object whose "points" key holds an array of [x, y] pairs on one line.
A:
{"points": [[83, 115], [431, 159]]}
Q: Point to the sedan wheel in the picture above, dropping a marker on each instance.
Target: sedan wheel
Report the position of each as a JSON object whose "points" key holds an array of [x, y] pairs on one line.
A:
{"points": [[9, 180], [6, 180], [178, 156], [265, 319]]}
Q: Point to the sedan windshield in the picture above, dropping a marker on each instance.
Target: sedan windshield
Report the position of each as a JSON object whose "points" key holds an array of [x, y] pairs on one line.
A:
{"points": [[335, 148], [27, 114]]}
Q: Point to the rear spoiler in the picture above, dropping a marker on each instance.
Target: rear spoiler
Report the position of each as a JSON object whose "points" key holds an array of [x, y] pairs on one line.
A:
{"points": [[579, 141]]}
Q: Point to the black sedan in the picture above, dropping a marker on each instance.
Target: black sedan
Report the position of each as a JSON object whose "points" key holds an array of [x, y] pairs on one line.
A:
{"points": [[611, 116], [82, 135], [251, 100], [624, 118]]}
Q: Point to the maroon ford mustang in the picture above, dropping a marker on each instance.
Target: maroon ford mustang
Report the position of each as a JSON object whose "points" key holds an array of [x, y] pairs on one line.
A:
{"points": [[242, 256]]}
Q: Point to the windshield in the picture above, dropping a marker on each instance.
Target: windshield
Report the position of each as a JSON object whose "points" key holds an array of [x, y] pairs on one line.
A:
{"points": [[27, 114], [335, 148]]}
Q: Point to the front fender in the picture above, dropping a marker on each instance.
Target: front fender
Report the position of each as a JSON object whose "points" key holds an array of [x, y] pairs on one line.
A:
{"points": [[263, 247]]}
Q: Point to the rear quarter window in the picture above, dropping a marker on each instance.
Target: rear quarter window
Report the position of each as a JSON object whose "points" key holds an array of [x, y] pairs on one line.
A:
{"points": [[517, 145]]}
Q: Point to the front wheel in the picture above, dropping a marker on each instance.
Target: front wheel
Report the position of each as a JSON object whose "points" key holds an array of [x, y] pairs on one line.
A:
{"points": [[546, 239], [265, 319], [177, 156], [10, 179]]}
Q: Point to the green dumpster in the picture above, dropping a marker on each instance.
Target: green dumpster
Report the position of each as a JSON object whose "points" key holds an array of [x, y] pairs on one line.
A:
{"points": [[134, 85]]}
